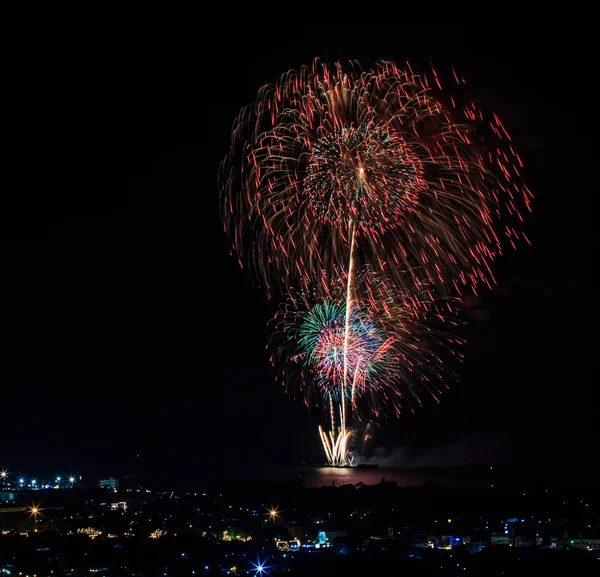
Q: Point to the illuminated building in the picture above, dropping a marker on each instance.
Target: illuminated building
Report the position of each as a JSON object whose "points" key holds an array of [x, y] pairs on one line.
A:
{"points": [[293, 545], [499, 539], [451, 541], [110, 483]]}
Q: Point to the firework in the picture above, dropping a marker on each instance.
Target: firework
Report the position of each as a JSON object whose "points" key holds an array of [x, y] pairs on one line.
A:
{"points": [[323, 337], [336, 164], [380, 198], [381, 361]]}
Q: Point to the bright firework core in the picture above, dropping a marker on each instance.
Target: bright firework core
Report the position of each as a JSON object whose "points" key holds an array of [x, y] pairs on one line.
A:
{"points": [[367, 174], [323, 339]]}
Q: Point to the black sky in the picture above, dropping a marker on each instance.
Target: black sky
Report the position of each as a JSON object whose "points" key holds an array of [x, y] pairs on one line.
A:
{"points": [[125, 325]]}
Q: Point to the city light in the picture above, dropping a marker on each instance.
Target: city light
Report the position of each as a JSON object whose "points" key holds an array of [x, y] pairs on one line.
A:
{"points": [[253, 559], [260, 567], [273, 513], [22, 481]]}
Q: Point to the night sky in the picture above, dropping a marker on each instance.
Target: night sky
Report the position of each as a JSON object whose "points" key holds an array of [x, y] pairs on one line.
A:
{"points": [[126, 327]]}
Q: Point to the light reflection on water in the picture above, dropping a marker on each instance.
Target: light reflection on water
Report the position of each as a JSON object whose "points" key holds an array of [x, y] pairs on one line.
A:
{"points": [[319, 476]]}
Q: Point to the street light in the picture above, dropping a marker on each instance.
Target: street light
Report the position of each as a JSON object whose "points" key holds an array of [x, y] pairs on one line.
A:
{"points": [[260, 567], [273, 513], [34, 510]]}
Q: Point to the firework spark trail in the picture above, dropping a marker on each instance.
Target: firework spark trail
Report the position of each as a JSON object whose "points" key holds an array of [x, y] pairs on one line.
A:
{"points": [[336, 446], [347, 322]]}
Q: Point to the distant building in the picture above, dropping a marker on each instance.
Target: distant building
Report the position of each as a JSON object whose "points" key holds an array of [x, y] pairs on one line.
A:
{"points": [[499, 539], [583, 543], [442, 541], [115, 505], [292, 545], [451, 541], [527, 541], [111, 484], [7, 496]]}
